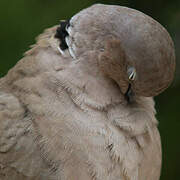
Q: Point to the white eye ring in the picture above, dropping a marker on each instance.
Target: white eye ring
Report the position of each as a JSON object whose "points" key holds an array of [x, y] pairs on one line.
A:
{"points": [[131, 73]]}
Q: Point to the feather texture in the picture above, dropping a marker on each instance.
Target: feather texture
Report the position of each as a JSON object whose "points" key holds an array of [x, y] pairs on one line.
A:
{"points": [[64, 118]]}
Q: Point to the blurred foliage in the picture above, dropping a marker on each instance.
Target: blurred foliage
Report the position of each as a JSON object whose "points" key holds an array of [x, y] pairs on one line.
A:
{"points": [[21, 21]]}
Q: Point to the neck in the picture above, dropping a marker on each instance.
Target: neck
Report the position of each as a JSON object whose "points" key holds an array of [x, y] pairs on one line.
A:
{"points": [[88, 86]]}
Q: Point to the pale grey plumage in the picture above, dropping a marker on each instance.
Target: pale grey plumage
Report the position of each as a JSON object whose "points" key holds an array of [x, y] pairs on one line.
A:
{"points": [[64, 114]]}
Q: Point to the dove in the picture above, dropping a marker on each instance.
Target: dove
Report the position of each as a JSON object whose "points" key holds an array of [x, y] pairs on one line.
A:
{"points": [[79, 104]]}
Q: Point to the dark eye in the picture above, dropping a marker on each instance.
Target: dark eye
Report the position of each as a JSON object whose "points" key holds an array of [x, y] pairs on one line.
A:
{"points": [[61, 34], [131, 73]]}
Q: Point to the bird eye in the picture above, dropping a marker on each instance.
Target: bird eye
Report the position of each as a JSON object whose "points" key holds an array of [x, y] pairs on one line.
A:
{"points": [[131, 73]]}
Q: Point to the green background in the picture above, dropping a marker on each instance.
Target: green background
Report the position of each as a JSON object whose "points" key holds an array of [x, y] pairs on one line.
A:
{"points": [[22, 20]]}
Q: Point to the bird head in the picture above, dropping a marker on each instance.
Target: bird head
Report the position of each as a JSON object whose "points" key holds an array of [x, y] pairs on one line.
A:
{"points": [[131, 48]]}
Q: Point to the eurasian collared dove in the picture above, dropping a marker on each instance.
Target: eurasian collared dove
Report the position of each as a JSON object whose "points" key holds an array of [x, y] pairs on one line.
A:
{"points": [[79, 105]]}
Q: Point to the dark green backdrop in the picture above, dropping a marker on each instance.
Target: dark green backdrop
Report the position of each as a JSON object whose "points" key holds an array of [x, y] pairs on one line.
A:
{"points": [[22, 20]]}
